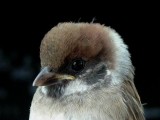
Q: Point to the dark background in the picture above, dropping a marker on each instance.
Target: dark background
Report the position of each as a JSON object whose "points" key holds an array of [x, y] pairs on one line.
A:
{"points": [[23, 27]]}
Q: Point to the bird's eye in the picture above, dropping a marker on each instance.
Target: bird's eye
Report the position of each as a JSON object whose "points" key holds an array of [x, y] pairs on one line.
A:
{"points": [[77, 65]]}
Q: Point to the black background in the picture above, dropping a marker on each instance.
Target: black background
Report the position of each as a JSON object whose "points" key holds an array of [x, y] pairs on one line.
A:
{"points": [[23, 27]]}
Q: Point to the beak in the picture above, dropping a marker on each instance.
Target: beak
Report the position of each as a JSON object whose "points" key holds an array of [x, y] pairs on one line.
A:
{"points": [[47, 77]]}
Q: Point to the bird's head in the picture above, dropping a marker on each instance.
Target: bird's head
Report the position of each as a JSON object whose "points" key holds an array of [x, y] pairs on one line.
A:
{"points": [[80, 57]]}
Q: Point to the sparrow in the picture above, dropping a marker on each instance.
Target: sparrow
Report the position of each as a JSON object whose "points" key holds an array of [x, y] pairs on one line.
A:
{"points": [[86, 74]]}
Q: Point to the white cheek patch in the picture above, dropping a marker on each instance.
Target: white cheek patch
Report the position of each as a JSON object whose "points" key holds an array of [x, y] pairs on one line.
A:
{"points": [[75, 87], [44, 90], [88, 71], [108, 72]]}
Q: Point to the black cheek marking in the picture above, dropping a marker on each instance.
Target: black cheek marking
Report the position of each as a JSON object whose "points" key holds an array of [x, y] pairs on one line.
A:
{"points": [[96, 75], [102, 70]]}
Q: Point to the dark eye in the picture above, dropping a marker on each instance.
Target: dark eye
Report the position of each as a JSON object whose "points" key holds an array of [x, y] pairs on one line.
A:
{"points": [[78, 65]]}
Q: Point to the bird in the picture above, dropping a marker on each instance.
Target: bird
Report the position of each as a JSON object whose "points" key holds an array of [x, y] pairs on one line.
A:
{"points": [[86, 74]]}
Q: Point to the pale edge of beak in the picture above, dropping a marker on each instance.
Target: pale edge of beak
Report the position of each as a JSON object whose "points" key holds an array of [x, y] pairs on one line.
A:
{"points": [[64, 77]]}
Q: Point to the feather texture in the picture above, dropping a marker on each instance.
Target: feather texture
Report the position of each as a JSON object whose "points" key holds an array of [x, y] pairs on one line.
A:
{"points": [[105, 89]]}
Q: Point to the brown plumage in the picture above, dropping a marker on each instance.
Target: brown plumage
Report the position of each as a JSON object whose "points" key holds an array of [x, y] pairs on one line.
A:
{"points": [[86, 74]]}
